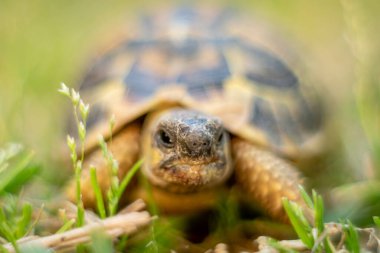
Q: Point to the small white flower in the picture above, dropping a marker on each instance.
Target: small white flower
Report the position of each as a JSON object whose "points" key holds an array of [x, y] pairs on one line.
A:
{"points": [[62, 213], [100, 138], [12, 149], [102, 143], [79, 166], [115, 182], [82, 131], [115, 165], [75, 97], [64, 90], [112, 122], [73, 156], [71, 143], [84, 109]]}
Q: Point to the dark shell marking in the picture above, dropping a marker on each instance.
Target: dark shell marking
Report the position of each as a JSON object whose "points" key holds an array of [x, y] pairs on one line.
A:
{"points": [[198, 61], [269, 70], [262, 116], [141, 82]]}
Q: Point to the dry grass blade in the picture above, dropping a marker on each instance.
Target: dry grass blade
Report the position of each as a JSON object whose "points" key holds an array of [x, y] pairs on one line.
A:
{"points": [[125, 223], [136, 206], [265, 246], [219, 248], [89, 216]]}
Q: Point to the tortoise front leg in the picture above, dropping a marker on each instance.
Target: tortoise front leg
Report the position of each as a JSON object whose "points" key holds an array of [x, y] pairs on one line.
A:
{"points": [[124, 148], [265, 178]]}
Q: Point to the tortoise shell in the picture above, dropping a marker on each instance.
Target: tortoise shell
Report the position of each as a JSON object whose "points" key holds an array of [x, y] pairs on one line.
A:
{"points": [[212, 62]]}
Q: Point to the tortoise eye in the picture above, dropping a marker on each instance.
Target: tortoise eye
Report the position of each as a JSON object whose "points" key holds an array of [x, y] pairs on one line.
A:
{"points": [[165, 139], [220, 138]]}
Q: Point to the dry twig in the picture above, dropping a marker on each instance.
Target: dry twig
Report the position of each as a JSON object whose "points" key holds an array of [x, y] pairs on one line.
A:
{"points": [[125, 223]]}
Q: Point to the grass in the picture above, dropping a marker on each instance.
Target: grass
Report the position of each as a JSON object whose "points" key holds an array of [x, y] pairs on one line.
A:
{"points": [[116, 189], [82, 109], [16, 220], [16, 170], [47, 42], [311, 233], [318, 235]]}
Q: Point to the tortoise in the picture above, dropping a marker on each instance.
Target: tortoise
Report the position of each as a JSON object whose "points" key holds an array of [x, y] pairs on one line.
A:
{"points": [[208, 100]]}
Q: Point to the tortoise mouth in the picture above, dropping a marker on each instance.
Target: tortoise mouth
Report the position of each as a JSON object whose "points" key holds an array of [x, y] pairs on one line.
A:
{"points": [[185, 177]]}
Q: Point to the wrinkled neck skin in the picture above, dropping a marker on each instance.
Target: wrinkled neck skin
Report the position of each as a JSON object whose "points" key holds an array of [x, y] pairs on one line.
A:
{"points": [[185, 151]]}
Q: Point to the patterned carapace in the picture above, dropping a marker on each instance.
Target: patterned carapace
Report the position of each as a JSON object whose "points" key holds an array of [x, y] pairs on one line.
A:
{"points": [[204, 52]]}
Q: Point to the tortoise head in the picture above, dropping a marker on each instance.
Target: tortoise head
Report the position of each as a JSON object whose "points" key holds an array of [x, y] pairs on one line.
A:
{"points": [[185, 150]]}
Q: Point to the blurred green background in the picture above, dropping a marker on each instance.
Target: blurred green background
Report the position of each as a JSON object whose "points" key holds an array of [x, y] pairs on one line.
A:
{"points": [[44, 42]]}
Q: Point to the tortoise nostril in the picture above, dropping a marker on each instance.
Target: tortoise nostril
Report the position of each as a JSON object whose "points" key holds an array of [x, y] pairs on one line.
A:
{"points": [[206, 143], [198, 144]]}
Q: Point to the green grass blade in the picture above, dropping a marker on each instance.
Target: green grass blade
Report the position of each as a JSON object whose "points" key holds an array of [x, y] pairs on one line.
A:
{"points": [[10, 151], [319, 212], [24, 222], [29, 248], [152, 205], [80, 214], [127, 178], [80, 248], [302, 229], [376, 219], [8, 175], [24, 176], [98, 193], [122, 243], [328, 246], [68, 225], [114, 194], [352, 236], [306, 197], [101, 243], [3, 249], [78, 197], [2, 215], [6, 231]]}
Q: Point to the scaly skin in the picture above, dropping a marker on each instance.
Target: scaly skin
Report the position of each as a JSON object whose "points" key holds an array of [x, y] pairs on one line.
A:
{"points": [[265, 178]]}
